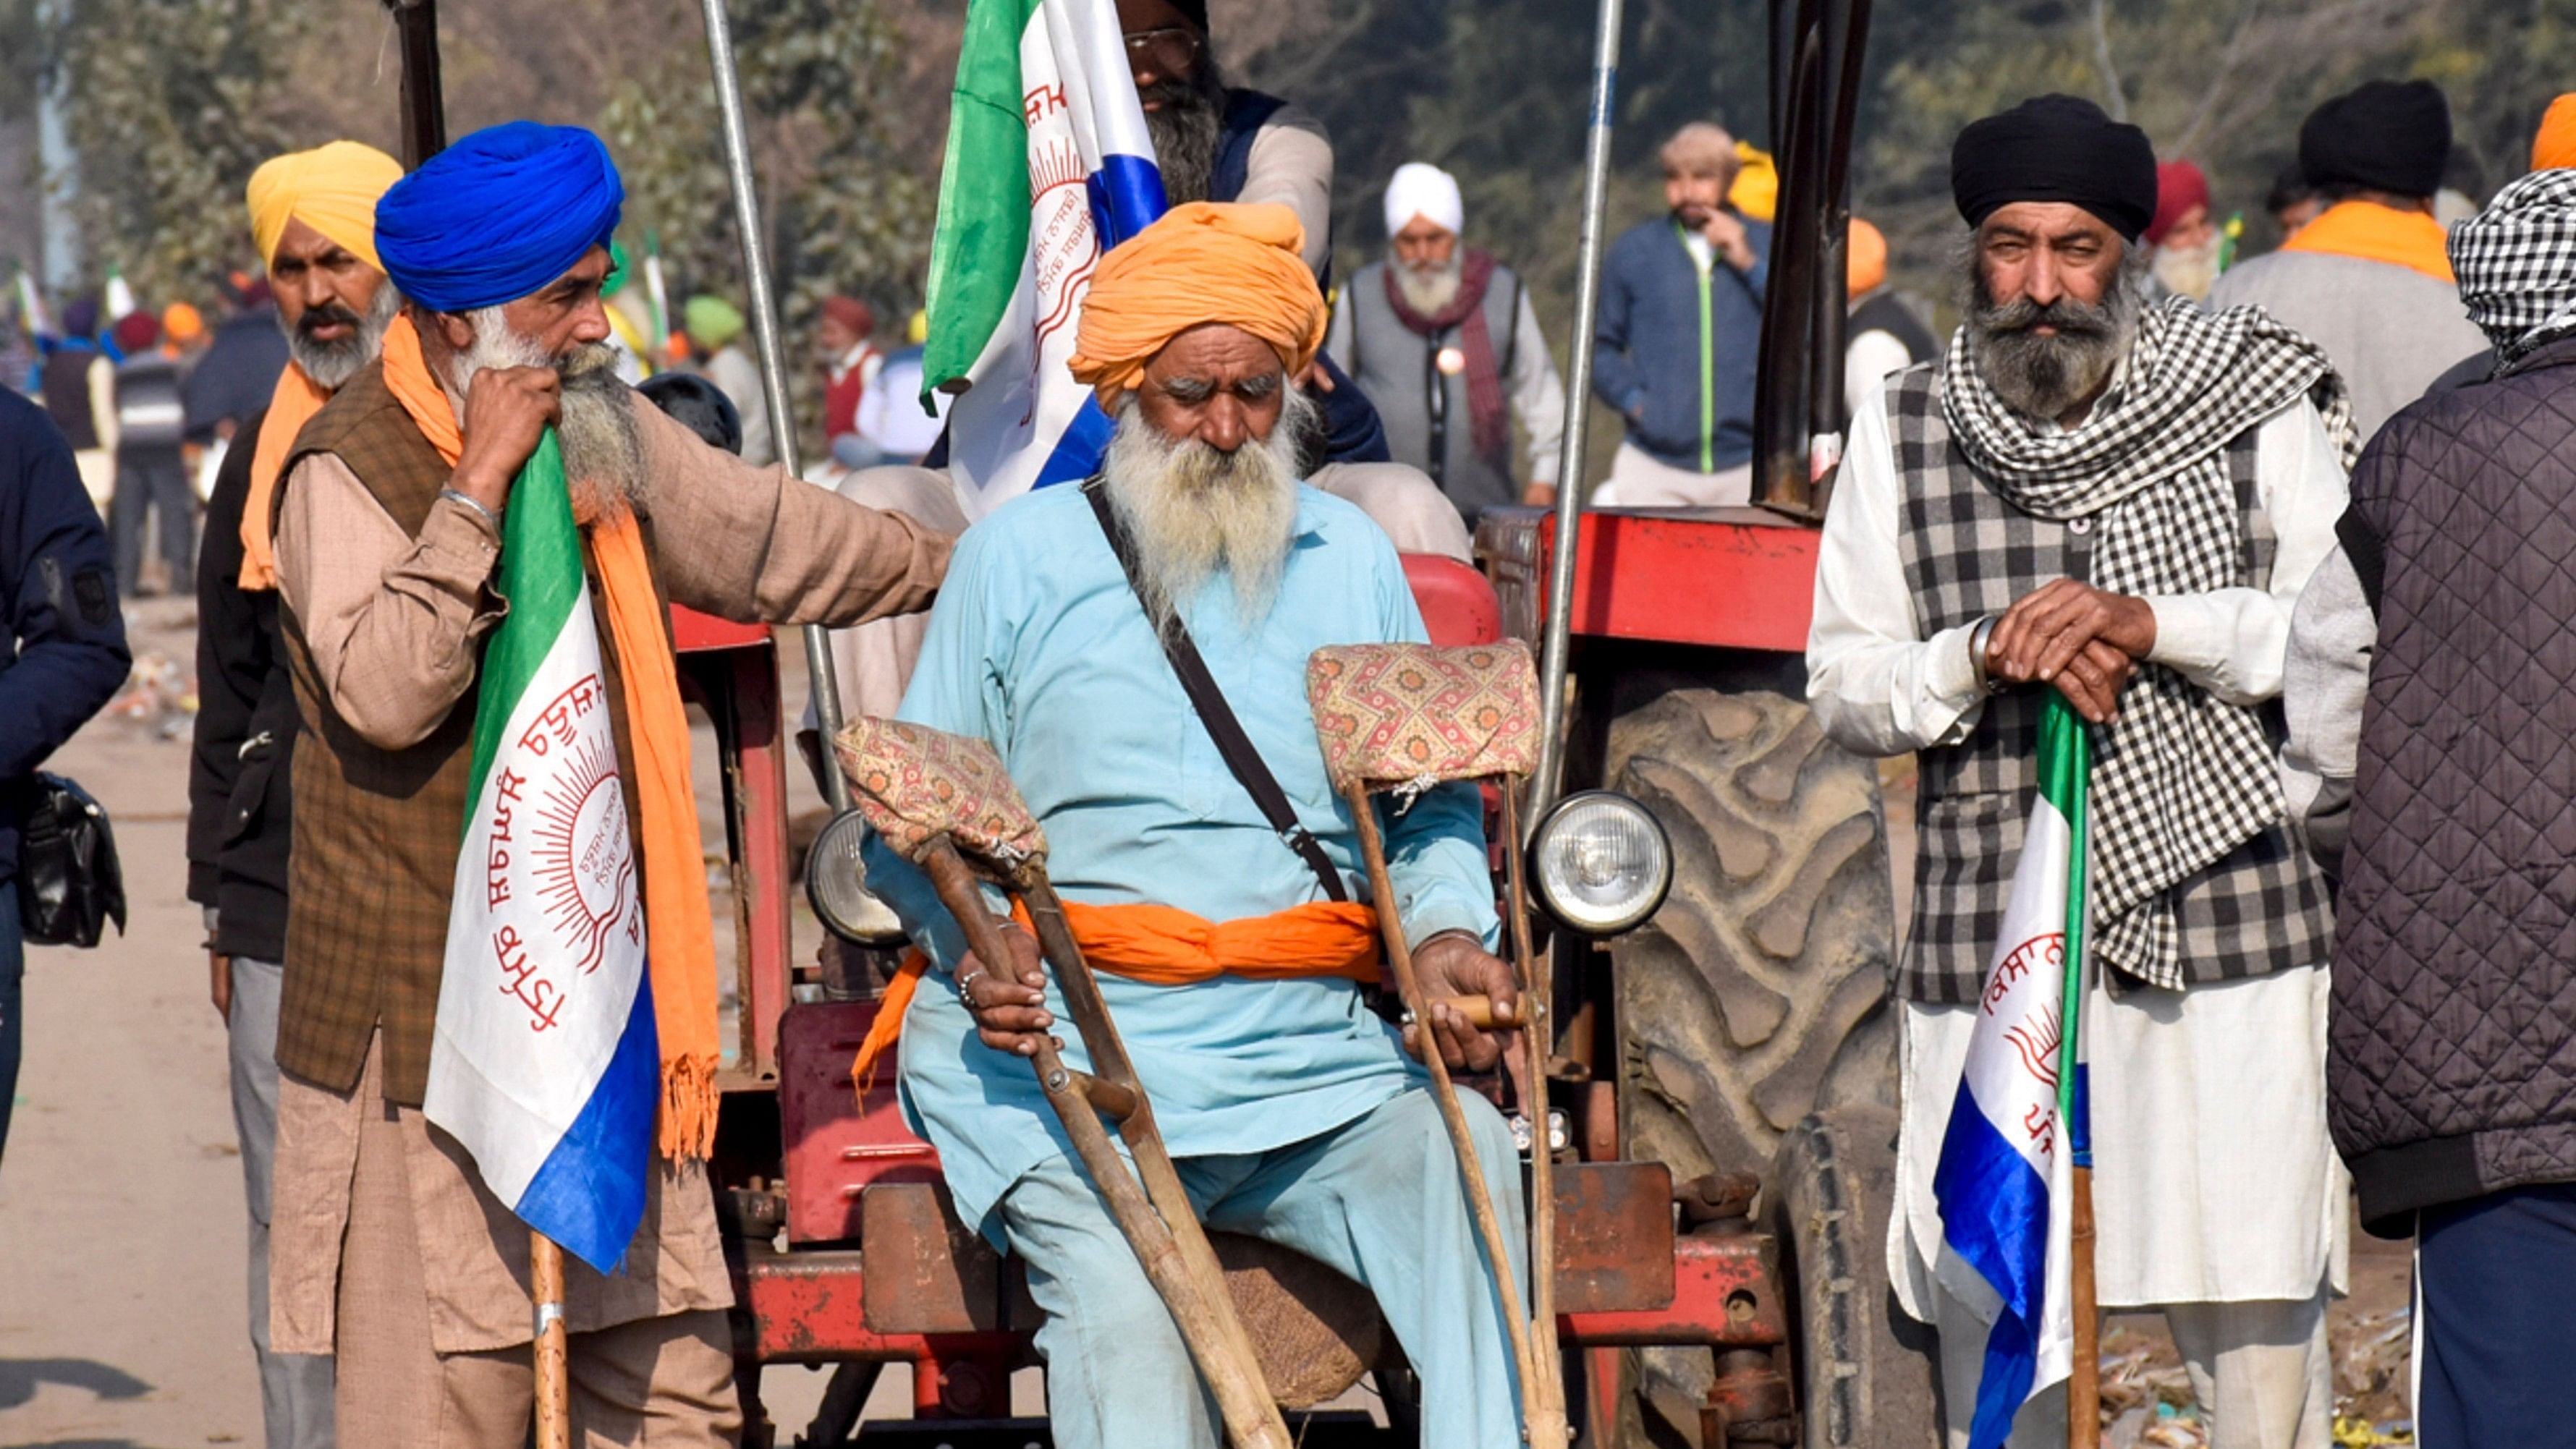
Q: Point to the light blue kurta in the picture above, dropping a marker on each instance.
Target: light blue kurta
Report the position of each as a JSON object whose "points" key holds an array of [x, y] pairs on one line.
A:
{"points": [[1039, 646]]}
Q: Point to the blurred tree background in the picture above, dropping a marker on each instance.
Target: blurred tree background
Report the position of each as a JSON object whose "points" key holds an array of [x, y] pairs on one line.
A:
{"points": [[172, 102]]}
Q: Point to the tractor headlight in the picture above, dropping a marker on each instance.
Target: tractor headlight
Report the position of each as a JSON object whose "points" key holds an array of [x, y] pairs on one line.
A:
{"points": [[836, 884], [1600, 863]]}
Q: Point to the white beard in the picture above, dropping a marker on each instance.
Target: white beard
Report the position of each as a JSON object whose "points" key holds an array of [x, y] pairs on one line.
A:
{"points": [[602, 452], [1428, 290], [2190, 272], [1193, 510]]}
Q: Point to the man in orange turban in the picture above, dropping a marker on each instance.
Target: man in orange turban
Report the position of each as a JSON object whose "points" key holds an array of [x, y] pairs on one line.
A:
{"points": [[1233, 959]]}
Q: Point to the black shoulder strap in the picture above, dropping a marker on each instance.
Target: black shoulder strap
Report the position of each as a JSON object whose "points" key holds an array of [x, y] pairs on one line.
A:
{"points": [[1231, 742]]}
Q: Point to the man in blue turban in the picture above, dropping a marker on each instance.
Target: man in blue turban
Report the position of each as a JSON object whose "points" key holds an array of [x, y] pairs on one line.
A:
{"points": [[389, 1248]]}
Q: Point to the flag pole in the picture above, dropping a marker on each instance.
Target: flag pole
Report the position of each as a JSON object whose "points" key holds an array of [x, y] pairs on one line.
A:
{"points": [[554, 1369], [2084, 1376]]}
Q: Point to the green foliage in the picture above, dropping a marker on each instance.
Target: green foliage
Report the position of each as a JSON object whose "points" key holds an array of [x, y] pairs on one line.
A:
{"points": [[844, 208], [170, 105]]}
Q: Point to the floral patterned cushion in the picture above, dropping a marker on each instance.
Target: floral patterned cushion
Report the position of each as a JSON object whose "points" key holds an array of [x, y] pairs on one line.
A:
{"points": [[913, 782], [1411, 715]]}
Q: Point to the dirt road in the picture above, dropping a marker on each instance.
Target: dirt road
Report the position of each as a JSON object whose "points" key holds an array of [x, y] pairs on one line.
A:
{"points": [[121, 1219]]}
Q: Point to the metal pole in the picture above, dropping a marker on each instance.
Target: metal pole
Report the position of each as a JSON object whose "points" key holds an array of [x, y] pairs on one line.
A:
{"points": [[424, 103], [822, 679], [1545, 781]]}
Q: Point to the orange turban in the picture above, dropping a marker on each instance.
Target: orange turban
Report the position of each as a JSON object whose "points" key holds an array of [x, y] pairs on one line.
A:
{"points": [[1203, 262], [2555, 146], [1864, 258]]}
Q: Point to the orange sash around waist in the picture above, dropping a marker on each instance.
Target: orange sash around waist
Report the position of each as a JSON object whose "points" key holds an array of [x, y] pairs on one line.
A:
{"points": [[1168, 946]]}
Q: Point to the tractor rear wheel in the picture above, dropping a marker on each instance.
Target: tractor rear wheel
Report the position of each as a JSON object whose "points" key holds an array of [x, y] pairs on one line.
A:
{"points": [[1864, 1371], [1758, 993]]}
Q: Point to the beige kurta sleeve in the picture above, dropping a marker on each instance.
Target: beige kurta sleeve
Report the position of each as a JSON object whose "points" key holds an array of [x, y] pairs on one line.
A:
{"points": [[392, 622], [1292, 164], [754, 545]]}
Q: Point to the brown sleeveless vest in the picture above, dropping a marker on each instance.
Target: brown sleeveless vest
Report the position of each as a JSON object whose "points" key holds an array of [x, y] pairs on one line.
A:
{"points": [[377, 831]]}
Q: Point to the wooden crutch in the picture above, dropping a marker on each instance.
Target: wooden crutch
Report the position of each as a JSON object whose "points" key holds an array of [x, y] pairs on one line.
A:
{"points": [[944, 803], [1404, 717]]}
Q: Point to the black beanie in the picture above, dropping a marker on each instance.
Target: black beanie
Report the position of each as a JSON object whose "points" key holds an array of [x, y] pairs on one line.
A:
{"points": [[2392, 136], [2056, 148], [1195, 11]]}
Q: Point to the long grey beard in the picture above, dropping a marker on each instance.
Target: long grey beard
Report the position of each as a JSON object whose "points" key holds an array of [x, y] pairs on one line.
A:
{"points": [[331, 364], [2047, 377], [1429, 290], [602, 451], [1193, 510], [1185, 132]]}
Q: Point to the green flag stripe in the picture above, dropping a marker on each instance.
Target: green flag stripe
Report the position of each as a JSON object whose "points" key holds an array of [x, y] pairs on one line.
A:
{"points": [[981, 236], [541, 577], [2065, 775]]}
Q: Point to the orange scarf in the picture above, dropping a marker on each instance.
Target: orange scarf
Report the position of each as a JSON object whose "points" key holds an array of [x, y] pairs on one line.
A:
{"points": [[293, 405], [682, 954], [2375, 233], [1167, 946]]}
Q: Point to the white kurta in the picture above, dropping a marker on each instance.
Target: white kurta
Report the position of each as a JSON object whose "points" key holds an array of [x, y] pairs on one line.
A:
{"points": [[2214, 1179]]}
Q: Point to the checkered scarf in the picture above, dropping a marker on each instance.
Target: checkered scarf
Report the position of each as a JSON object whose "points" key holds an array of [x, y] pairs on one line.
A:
{"points": [[2516, 262], [2183, 778]]}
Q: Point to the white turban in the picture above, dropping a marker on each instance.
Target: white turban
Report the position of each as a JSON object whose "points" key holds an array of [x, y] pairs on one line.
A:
{"points": [[1419, 188]]}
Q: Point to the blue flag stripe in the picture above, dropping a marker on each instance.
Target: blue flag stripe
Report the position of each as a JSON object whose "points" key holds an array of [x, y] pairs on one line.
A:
{"points": [[2005, 1238], [589, 1194]]}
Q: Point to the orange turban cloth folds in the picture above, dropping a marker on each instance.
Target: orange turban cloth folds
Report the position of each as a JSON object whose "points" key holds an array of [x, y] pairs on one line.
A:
{"points": [[1203, 262], [2555, 146]]}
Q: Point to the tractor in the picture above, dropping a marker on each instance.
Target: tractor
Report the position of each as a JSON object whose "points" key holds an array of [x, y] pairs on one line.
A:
{"points": [[1720, 1096]]}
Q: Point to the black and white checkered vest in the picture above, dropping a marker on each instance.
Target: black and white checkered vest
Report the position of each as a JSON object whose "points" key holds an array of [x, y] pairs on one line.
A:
{"points": [[1969, 553]]}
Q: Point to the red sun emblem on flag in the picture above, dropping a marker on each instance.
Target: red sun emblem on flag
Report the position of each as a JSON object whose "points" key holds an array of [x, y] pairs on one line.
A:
{"points": [[582, 857]]}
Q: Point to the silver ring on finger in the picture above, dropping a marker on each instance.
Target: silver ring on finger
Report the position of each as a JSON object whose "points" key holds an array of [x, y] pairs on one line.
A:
{"points": [[967, 981]]}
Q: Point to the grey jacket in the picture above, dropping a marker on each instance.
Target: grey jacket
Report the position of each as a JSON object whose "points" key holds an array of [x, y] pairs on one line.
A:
{"points": [[2391, 330], [2431, 698]]}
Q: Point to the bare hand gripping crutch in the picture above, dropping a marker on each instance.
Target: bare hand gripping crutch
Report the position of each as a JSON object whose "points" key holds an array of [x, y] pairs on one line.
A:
{"points": [[1402, 718]]}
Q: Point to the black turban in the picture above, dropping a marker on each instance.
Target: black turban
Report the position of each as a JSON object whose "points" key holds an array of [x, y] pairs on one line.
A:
{"points": [[2056, 148], [2391, 136]]}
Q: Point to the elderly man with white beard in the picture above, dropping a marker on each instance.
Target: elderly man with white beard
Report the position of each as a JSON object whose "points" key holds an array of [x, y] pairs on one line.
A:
{"points": [[1443, 339], [387, 1245], [2120, 502], [1290, 1108]]}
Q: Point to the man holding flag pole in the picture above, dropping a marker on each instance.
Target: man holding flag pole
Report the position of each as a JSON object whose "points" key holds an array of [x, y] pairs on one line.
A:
{"points": [[2095, 509], [499, 1007]]}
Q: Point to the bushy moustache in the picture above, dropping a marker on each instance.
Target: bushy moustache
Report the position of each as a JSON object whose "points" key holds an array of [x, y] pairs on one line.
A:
{"points": [[2068, 316]]}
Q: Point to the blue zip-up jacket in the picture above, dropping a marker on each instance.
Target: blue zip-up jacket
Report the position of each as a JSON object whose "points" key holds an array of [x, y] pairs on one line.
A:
{"points": [[1677, 358], [62, 637]]}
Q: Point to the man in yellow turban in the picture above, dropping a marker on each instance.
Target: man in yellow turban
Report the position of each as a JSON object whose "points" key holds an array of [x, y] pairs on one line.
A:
{"points": [[313, 218], [1233, 960]]}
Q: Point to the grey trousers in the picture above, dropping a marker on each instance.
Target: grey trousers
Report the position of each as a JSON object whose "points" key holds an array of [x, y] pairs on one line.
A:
{"points": [[294, 1388]]}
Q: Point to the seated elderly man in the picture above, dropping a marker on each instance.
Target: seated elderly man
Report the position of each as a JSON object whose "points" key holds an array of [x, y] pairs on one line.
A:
{"points": [[1290, 1108], [387, 1245]]}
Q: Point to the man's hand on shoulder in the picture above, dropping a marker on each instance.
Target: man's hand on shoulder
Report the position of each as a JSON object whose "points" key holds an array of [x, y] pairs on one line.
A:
{"points": [[1455, 964], [507, 410], [2083, 641]]}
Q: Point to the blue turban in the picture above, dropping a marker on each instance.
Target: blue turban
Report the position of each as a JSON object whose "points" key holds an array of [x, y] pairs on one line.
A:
{"points": [[498, 215]]}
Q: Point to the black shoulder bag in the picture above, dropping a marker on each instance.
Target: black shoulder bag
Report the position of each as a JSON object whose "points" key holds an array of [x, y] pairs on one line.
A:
{"points": [[1231, 742], [69, 883]]}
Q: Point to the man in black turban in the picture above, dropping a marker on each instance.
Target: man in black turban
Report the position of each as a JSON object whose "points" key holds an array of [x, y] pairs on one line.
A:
{"points": [[2097, 503], [2368, 279]]}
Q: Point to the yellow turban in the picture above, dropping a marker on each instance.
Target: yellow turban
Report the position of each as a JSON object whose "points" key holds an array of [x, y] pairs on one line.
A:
{"points": [[1203, 262], [1756, 191], [2555, 146], [332, 188]]}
